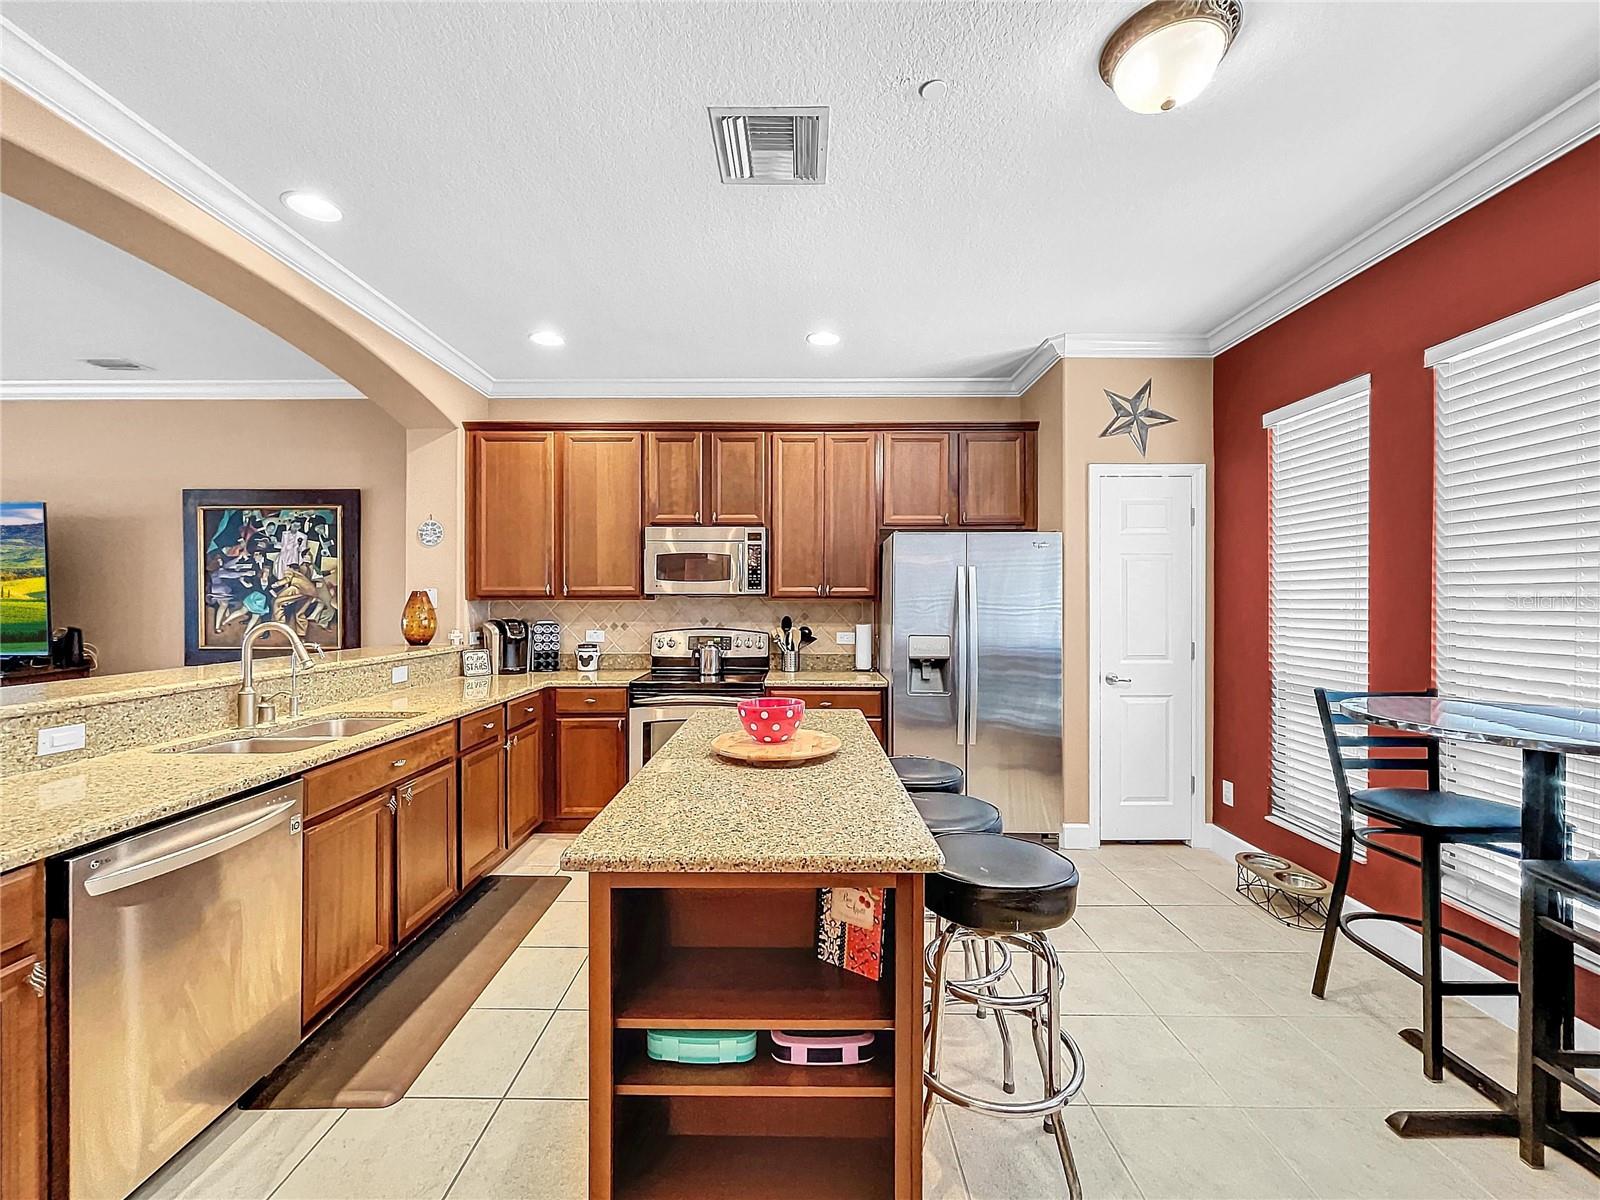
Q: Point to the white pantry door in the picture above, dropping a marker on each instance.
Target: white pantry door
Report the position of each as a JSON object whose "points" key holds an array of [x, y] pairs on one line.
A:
{"points": [[1145, 662]]}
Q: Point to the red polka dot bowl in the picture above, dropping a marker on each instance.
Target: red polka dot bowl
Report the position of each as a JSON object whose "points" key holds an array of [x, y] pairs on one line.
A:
{"points": [[771, 718]]}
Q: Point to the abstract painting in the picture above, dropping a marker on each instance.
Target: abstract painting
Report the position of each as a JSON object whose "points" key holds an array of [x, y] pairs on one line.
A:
{"points": [[270, 555]]}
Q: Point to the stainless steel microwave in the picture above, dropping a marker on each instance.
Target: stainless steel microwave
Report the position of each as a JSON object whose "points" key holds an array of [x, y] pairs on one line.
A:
{"points": [[696, 560]]}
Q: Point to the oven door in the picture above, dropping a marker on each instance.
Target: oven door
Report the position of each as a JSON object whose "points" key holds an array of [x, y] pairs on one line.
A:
{"points": [[652, 723], [695, 568]]}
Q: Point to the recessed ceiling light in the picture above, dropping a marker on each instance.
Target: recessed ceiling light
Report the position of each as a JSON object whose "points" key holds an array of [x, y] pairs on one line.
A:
{"points": [[547, 337], [934, 89], [312, 206], [1166, 53], [823, 337]]}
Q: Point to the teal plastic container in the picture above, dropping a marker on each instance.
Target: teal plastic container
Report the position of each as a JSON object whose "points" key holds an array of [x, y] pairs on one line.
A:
{"points": [[701, 1045]]}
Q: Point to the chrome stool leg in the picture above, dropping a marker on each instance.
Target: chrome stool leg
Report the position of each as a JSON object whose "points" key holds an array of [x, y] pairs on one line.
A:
{"points": [[1008, 1075]]}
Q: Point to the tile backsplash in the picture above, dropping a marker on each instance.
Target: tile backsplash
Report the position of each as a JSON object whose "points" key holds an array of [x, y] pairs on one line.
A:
{"points": [[628, 624]]}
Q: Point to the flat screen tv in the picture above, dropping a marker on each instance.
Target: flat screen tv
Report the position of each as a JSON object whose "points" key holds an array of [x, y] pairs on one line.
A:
{"points": [[24, 581]]}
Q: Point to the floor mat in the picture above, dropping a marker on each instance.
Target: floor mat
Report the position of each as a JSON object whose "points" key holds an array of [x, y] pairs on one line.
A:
{"points": [[372, 1050]]}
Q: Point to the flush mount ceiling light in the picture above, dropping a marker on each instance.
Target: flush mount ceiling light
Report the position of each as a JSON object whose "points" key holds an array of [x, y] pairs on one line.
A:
{"points": [[312, 206], [1166, 53], [823, 337], [547, 337]]}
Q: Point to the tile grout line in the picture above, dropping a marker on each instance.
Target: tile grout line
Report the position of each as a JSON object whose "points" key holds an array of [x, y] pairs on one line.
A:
{"points": [[471, 1150], [1115, 1149], [299, 1162]]}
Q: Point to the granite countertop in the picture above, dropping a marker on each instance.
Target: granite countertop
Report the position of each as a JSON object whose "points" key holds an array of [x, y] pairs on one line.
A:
{"points": [[690, 811], [44, 813], [824, 679]]}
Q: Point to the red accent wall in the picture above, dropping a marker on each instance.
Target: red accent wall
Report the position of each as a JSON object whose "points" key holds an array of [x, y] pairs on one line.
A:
{"points": [[1536, 240]]}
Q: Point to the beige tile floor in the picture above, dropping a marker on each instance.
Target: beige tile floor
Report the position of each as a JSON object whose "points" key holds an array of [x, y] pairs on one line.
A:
{"points": [[1212, 1073]]}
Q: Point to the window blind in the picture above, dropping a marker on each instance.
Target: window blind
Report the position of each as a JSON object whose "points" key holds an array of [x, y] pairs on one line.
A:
{"points": [[1317, 592], [1517, 556]]}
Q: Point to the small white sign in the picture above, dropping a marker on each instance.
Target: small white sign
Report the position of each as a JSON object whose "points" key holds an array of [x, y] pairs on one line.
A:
{"points": [[594, 635]]}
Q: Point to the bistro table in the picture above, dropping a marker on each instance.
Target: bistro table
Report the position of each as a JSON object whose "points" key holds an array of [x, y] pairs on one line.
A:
{"points": [[1546, 734]]}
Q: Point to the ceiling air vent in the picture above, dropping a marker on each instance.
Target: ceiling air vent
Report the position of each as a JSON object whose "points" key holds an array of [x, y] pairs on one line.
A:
{"points": [[117, 364], [771, 145]]}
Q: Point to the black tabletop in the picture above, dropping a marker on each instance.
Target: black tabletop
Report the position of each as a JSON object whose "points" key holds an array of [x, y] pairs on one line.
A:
{"points": [[1563, 729]]}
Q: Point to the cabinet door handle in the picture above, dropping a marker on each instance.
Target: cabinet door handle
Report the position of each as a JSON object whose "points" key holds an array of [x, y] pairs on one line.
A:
{"points": [[394, 805], [824, 703], [36, 979], [488, 724], [589, 700], [531, 708], [398, 763], [405, 793]]}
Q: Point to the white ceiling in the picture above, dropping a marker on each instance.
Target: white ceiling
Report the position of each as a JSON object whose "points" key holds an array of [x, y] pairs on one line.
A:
{"points": [[506, 166], [66, 296]]}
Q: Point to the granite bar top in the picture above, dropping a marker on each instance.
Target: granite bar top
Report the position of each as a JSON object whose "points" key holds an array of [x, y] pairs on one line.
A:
{"points": [[50, 812], [690, 811], [806, 680]]}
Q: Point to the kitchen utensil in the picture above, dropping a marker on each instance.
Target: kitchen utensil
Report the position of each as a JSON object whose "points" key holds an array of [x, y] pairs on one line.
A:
{"points": [[806, 636], [807, 745], [771, 718]]}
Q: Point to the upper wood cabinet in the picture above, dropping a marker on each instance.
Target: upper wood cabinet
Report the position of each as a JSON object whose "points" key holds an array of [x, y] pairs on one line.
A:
{"points": [[997, 484], [736, 478], [511, 504], [918, 480], [602, 515], [673, 478], [824, 514]]}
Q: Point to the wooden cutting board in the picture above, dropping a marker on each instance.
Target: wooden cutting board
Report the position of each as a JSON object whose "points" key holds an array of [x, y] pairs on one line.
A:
{"points": [[806, 746]]}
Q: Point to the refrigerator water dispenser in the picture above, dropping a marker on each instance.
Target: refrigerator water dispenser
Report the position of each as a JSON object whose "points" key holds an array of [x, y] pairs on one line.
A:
{"points": [[929, 666]]}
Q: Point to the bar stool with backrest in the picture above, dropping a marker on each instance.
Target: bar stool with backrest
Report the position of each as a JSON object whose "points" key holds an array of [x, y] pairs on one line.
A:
{"points": [[919, 773], [1546, 1058], [1435, 818]]}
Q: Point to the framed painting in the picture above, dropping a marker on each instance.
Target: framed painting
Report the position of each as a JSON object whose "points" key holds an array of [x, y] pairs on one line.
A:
{"points": [[251, 556]]}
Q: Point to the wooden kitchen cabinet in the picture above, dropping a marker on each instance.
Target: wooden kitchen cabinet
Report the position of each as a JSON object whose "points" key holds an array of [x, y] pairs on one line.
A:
{"points": [[511, 506], [24, 1042], [918, 480], [425, 866], [736, 478], [524, 780], [591, 765], [483, 810], [796, 552], [850, 520], [349, 900], [997, 488], [602, 523], [673, 478]]}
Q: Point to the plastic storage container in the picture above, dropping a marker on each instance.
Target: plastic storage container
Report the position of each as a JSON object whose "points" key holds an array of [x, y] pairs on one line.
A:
{"points": [[822, 1048], [701, 1045]]}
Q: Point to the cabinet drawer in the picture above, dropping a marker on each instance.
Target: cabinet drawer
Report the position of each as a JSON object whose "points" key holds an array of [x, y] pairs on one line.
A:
{"points": [[524, 710], [866, 700], [587, 701], [480, 727], [21, 906], [373, 770]]}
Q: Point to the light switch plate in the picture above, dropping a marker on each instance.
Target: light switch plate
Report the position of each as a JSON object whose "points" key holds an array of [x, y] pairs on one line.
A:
{"points": [[58, 739], [594, 635], [845, 637], [433, 596], [1227, 792], [399, 674]]}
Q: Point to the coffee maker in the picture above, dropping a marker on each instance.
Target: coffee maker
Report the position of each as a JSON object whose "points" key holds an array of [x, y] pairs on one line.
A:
{"points": [[508, 641]]}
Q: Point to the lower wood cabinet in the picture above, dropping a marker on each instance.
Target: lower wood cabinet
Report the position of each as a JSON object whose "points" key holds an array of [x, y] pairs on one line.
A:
{"points": [[425, 866], [349, 899], [24, 1054], [591, 765], [483, 810], [524, 780]]}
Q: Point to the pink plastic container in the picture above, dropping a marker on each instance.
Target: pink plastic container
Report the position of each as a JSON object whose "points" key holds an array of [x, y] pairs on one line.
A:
{"points": [[771, 718], [822, 1048]]}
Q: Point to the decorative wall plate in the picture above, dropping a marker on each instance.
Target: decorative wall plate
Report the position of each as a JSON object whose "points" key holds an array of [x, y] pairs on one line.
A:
{"points": [[430, 533]]}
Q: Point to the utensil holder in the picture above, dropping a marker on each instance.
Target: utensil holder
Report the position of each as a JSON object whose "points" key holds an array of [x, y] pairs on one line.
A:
{"points": [[788, 660]]}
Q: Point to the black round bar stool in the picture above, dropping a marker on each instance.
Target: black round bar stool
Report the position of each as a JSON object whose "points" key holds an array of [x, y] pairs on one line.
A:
{"points": [[919, 773], [951, 812], [1000, 894]]}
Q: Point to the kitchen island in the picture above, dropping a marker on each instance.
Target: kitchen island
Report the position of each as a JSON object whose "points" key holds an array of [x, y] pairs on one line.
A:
{"points": [[703, 914]]}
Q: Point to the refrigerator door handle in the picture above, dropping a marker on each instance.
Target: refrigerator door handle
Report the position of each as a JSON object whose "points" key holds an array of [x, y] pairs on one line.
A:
{"points": [[959, 637], [970, 671]]}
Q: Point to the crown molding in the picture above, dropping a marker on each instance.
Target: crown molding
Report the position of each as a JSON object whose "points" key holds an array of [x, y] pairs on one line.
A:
{"points": [[38, 73], [1043, 356], [1567, 125], [177, 389], [1182, 345], [752, 389]]}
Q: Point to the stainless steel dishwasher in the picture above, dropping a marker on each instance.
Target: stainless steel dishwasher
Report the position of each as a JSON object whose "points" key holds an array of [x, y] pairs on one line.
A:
{"points": [[183, 981]]}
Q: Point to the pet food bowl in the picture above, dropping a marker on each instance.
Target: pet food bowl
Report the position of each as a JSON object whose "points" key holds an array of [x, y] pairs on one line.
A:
{"points": [[771, 718]]}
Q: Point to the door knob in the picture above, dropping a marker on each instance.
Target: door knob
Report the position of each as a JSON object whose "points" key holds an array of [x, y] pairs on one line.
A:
{"points": [[1110, 678]]}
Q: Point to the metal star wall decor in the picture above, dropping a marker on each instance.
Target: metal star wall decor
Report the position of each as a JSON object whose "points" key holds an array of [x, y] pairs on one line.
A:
{"points": [[1134, 416]]}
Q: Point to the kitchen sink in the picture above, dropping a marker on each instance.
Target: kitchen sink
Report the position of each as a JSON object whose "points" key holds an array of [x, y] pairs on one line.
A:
{"points": [[337, 727], [261, 745]]}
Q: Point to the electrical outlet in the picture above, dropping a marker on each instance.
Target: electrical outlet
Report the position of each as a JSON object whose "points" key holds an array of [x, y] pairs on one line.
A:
{"points": [[845, 637], [399, 674], [433, 596], [58, 739], [594, 635], [1227, 792]]}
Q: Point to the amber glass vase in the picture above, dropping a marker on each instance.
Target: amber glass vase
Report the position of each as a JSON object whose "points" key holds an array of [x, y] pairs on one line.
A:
{"points": [[418, 621]]}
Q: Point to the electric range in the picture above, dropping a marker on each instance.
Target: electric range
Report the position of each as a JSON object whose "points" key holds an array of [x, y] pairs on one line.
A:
{"points": [[676, 687]]}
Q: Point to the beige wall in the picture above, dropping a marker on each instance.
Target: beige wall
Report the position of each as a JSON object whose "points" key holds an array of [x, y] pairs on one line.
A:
{"points": [[821, 410], [1072, 409], [113, 474]]}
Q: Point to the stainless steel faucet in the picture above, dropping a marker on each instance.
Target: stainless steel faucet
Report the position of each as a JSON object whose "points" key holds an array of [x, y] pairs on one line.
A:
{"points": [[300, 660]]}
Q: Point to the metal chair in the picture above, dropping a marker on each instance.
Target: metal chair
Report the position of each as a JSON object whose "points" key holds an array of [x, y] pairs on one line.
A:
{"points": [[1546, 1058], [1435, 818]]}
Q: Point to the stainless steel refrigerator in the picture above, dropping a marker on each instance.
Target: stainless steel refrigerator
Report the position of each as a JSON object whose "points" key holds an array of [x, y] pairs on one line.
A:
{"points": [[969, 636]]}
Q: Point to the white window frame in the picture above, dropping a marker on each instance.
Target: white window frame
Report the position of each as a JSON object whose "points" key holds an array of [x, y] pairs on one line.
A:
{"points": [[1475, 380], [1302, 776]]}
